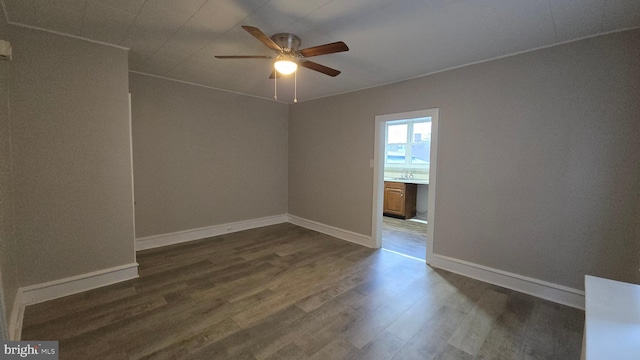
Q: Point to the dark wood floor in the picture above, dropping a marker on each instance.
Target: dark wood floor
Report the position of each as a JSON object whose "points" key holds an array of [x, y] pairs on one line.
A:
{"points": [[405, 237], [284, 292]]}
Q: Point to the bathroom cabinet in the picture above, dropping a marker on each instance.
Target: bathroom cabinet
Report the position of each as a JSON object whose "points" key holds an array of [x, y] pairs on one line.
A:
{"points": [[400, 199]]}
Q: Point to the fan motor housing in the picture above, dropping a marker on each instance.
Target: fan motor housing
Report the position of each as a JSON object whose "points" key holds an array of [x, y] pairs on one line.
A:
{"points": [[288, 42]]}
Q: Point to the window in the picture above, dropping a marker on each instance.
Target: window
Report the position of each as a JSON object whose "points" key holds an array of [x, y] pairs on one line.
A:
{"points": [[408, 143]]}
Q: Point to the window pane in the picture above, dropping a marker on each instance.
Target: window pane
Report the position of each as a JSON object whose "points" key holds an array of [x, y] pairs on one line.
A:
{"points": [[421, 145], [397, 134], [421, 131], [396, 154]]}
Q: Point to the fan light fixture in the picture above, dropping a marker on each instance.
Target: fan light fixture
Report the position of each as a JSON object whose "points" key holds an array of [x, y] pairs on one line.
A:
{"points": [[287, 46], [285, 66]]}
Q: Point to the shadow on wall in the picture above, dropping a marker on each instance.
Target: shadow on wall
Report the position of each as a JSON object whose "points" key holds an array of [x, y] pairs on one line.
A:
{"points": [[3, 324]]}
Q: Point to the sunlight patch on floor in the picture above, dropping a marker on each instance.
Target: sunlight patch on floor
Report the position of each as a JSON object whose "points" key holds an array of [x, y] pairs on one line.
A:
{"points": [[418, 221], [405, 255]]}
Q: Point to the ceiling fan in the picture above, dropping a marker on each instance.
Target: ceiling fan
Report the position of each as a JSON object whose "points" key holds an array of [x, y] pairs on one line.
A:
{"points": [[289, 56]]}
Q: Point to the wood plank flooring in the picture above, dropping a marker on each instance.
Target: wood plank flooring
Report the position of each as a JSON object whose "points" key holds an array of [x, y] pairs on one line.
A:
{"points": [[405, 237], [285, 292]]}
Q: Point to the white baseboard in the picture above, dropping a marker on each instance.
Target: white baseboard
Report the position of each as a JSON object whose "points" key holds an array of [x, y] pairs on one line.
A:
{"points": [[178, 237], [15, 318], [38, 293], [332, 231], [538, 288], [542, 289], [55, 289]]}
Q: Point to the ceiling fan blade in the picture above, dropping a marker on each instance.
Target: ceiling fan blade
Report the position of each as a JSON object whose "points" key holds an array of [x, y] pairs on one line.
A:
{"points": [[324, 49], [243, 57], [319, 68], [258, 34]]}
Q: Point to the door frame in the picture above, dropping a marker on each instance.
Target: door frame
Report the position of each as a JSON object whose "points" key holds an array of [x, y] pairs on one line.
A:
{"points": [[378, 174]]}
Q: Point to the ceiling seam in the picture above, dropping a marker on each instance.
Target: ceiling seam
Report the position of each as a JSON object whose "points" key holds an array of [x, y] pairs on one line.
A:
{"points": [[84, 15], [604, 13], [126, 33], [553, 20], [4, 10], [495, 12], [190, 56], [35, 14], [175, 32]]}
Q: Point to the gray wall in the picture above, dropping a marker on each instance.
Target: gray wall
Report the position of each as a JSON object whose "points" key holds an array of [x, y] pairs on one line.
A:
{"points": [[205, 157], [71, 156], [537, 159], [421, 201], [8, 246]]}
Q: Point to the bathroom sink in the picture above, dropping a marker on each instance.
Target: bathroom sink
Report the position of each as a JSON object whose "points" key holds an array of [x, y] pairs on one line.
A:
{"points": [[416, 181]]}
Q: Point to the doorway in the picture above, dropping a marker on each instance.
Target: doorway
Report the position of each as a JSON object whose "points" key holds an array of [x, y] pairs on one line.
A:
{"points": [[405, 176]]}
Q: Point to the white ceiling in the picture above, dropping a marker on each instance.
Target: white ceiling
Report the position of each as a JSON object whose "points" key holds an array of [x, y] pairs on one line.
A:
{"points": [[389, 40]]}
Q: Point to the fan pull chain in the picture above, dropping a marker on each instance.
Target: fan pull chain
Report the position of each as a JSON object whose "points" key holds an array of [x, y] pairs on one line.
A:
{"points": [[295, 86], [275, 82]]}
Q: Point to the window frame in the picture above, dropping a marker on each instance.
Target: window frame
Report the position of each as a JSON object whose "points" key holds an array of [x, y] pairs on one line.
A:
{"points": [[408, 144]]}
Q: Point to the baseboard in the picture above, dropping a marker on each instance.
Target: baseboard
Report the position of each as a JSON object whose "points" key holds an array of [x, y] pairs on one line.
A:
{"points": [[178, 237], [542, 289], [15, 318], [332, 231], [38, 293], [538, 288]]}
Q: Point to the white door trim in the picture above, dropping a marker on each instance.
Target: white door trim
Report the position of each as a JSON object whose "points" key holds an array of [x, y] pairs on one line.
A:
{"points": [[133, 193], [378, 174]]}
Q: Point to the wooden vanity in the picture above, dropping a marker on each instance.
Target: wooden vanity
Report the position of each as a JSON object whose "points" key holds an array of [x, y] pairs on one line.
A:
{"points": [[400, 199]]}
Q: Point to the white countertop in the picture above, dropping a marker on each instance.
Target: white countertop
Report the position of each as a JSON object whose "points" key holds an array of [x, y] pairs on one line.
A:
{"points": [[408, 181], [612, 319]]}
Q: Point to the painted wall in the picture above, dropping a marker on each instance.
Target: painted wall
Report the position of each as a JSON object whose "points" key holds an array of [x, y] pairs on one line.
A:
{"points": [[8, 245], [205, 157], [537, 168], [71, 154], [421, 201]]}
